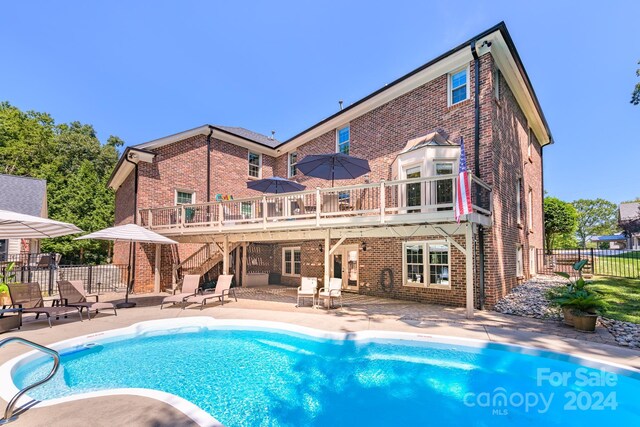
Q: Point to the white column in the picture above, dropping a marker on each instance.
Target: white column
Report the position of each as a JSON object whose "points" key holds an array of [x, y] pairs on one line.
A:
{"points": [[225, 255], [327, 257], [156, 272], [469, 268]]}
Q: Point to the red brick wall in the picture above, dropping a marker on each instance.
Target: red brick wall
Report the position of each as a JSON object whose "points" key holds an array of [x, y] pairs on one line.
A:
{"points": [[379, 136]]}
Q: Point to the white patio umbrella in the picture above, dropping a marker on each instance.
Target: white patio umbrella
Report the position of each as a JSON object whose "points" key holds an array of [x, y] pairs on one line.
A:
{"points": [[131, 233], [14, 225]]}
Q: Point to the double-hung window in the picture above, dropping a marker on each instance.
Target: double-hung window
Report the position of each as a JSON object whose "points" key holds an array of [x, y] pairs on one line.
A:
{"points": [[255, 165], [444, 187], [518, 201], [458, 86], [530, 210], [291, 261], [293, 160], [343, 140], [185, 197], [519, 262], [427, 264]]}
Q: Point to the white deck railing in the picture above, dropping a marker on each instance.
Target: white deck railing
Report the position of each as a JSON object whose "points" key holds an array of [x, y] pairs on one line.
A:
{"points": [[387, 202]]}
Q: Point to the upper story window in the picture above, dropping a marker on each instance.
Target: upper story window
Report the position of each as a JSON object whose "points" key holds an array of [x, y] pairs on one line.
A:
{"points": [[496, 84], [529, 145], [293, 160], [255, 165], [458, 86], [4, 249], [185, 197], [343, 139]]}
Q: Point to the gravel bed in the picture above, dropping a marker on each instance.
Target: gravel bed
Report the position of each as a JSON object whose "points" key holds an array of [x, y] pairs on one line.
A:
{"points": [[529, 300]]}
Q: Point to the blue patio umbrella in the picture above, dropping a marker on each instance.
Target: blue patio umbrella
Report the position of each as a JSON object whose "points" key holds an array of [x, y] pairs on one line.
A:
{"points": [[275, 185], [333, 166]]}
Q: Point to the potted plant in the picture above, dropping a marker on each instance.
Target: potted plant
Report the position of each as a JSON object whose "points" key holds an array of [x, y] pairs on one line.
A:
{"points": [[5, 298], [579, 305]]}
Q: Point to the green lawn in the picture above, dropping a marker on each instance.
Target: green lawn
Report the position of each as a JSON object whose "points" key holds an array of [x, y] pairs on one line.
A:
{"points": [[626, 264], [622, 297]]}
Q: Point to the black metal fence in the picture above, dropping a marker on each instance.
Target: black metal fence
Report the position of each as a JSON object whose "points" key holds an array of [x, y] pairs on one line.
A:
{"points": [[45, 269], [602, 262]]}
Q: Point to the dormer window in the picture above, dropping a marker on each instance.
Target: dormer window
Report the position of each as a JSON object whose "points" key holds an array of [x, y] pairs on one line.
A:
{"points": [[458, 86]]}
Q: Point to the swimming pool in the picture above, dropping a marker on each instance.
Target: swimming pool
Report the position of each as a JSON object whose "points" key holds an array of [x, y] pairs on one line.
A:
{"points": [[246, 373]]}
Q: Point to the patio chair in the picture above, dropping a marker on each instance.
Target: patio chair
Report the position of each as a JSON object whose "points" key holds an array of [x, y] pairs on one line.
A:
{"points": [[223, 287], [28, 296], [333, 291], [72, 295], [190, 285], [308, 288]]}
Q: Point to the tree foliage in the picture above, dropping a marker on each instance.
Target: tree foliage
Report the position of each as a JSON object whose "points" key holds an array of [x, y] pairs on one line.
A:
{"points": [[595, 217], [635, 95], [559, 220], [76, 166]]}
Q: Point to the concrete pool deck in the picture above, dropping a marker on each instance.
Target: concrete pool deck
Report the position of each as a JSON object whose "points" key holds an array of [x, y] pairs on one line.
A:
{"points": [[278, 304]]}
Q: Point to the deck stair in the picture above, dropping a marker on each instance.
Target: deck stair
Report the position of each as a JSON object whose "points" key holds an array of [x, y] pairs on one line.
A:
{"points": [[201, 261]]}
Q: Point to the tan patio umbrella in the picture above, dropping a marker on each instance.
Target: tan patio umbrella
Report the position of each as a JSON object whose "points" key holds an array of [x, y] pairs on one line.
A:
{"points": [[131, 233], [14, 225]]}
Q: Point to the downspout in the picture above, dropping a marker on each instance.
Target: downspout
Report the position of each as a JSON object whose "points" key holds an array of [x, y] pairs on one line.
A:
{"points": [[209, 164], [132, 245], [476, 161]]}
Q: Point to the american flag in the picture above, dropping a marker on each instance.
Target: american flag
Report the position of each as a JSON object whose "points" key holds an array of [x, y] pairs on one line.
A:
{"points": [[463, 195]]}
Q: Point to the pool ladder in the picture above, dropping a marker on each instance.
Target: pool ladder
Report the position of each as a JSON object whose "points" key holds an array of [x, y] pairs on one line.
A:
{"points": [[8, 413]]}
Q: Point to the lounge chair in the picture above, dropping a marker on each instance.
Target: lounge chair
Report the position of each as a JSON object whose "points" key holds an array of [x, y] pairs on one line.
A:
{"points": [[333, 291], [72, 295], [223, 287], [190, 285], [28, 296], [308, 288]]}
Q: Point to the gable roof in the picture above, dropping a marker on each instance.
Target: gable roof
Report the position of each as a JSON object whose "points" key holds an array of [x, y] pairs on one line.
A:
{"points": [[629, 211], [496, 40], [24, 195]]}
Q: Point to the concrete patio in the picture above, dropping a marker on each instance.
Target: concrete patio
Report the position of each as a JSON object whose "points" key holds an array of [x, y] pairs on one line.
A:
{"points": [[278, 304]]}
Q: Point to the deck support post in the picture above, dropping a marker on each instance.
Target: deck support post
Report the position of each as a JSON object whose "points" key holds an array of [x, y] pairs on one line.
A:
{"points": [[327, 258], [225, 255], [156, 270], [243, 277], [469, 268]]}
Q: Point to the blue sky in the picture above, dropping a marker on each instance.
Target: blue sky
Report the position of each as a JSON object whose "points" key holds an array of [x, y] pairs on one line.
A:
{"points": [[146, 69]]}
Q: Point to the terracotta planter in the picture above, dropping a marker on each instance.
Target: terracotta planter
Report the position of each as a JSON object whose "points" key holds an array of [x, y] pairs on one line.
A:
{"points": [[585, 322], [568, 316]]}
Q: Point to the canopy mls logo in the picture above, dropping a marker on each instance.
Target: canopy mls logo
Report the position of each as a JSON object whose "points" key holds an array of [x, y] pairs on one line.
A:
{"points": [[585, 390]]}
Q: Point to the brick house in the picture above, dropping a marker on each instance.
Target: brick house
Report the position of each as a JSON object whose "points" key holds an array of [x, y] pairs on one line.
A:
{"points": [[388, 233]]}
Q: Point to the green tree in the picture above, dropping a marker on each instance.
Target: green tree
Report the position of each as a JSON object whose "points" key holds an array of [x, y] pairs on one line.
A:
{"points": [[635, 95], [76, 166], [559, 220], [595, 217]]}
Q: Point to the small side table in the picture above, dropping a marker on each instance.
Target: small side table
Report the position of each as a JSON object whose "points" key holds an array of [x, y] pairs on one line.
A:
{"points": [[13, 321]]}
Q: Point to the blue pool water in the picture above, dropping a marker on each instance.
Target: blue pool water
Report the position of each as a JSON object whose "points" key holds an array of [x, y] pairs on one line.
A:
{"points": [[274, 378]]}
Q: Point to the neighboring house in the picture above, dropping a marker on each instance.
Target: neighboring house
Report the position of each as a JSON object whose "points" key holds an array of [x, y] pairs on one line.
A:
{"points": [[380, 234], [27, 196], [630, 212], [615, 241]]}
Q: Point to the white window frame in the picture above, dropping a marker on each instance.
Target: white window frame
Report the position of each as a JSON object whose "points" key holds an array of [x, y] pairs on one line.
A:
{"points": [[291, 249], [530, 210], [259, 165], [496, 84], [289, 164], [519, 200], [450, 88], [519, 262], [348, 125], [180, 190], [426, 268], [529, 146]]}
